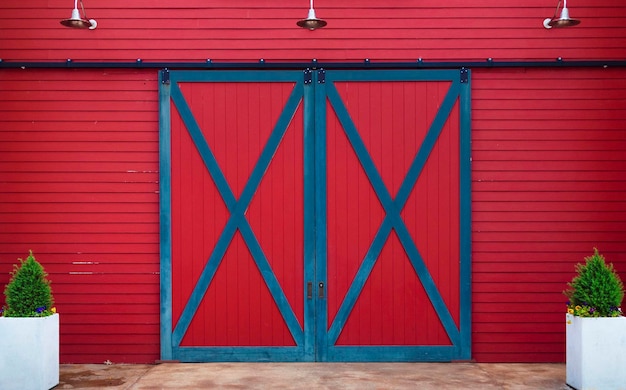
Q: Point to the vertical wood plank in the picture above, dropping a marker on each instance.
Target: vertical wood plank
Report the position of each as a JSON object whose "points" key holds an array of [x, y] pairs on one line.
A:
{"points": [[238, 309], [379, 314]]}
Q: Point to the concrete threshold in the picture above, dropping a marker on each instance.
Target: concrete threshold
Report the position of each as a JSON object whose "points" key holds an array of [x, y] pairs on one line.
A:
{"points": [[357, 376]]}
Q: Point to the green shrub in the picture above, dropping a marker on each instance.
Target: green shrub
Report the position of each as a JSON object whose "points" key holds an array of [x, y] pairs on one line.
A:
{"points": [[28, 293], [596, 290]]}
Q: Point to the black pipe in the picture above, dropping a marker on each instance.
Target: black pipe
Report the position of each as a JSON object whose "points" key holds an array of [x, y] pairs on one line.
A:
{"points": [[366, 64]]}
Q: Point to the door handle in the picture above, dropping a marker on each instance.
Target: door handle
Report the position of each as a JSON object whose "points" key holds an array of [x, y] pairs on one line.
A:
{"points": [[320, 290], [309, 290]]}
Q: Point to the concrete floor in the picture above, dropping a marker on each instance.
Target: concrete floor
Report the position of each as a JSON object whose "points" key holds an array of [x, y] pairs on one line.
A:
{"points": [[358, 376]]}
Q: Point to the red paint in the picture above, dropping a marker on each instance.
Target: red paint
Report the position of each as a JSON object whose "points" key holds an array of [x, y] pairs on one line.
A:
{"points": [[237, 120], [79, 186], [79, 159], [228, 30], [393, 308], [547, 187]]}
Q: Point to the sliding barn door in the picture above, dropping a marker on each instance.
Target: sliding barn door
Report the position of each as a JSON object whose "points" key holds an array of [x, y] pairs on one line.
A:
{"points": [[394, 201], [233, 211], [315, 215]]}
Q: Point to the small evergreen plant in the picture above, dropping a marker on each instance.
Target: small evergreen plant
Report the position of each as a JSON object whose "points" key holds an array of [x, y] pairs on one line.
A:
{"points": [[28, 293], [596, 290]]}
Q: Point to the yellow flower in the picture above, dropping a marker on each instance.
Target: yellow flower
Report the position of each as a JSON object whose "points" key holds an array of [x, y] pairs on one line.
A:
{"points": [[569, 322], [578, 307], [54, 310], [570, 311]]}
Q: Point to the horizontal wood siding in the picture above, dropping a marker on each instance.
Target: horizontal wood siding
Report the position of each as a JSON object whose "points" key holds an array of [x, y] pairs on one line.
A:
{"points": [[78, 186], [242, 30], [79, 148], [548, 185]]}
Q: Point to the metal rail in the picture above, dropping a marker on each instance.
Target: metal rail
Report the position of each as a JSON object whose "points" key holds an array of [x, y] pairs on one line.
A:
{"points": [[263, 64]]}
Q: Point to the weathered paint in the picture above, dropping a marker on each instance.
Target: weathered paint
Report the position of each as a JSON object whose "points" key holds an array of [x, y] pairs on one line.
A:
{"points": [[79, 186], [79, 149]]}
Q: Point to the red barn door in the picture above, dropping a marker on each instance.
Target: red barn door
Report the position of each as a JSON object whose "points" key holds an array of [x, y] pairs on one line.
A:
{"points": [[314, 216], [234, 285], [394, 201]]}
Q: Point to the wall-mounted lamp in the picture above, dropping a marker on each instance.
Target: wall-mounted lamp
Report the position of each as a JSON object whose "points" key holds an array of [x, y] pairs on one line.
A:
{"points": [[563, 21], [75, 21], [311, 22]]}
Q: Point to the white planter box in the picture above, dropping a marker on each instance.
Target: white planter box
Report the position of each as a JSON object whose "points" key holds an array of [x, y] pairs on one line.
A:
{"points": [[29, 353], [596, 352]]}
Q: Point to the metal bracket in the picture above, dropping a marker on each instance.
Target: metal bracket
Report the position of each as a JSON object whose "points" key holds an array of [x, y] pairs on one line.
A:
{"points": [[464, 75], [308, 76], [165, 76], [321, 76]]}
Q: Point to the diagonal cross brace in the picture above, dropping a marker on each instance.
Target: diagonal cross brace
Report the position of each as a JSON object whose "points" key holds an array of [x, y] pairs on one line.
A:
{"points": [[237, 218], [392, 218]]}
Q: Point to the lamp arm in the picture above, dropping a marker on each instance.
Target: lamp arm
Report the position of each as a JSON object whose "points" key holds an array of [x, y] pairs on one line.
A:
{"points": [[83, 8], [556, 11]]}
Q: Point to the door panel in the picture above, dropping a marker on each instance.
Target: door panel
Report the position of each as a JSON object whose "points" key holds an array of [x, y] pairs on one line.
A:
{"points": [[237, 217], [392, 195], [315, 216]]}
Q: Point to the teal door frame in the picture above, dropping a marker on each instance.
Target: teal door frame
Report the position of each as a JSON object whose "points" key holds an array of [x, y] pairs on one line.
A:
{"points": [[171, 337], [460, 336], [314, 342]]}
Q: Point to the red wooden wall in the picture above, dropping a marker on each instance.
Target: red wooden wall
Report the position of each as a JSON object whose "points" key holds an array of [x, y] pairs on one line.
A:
{"points": [[79, 186], [79, 148], [548, 185], [243, 30]]}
